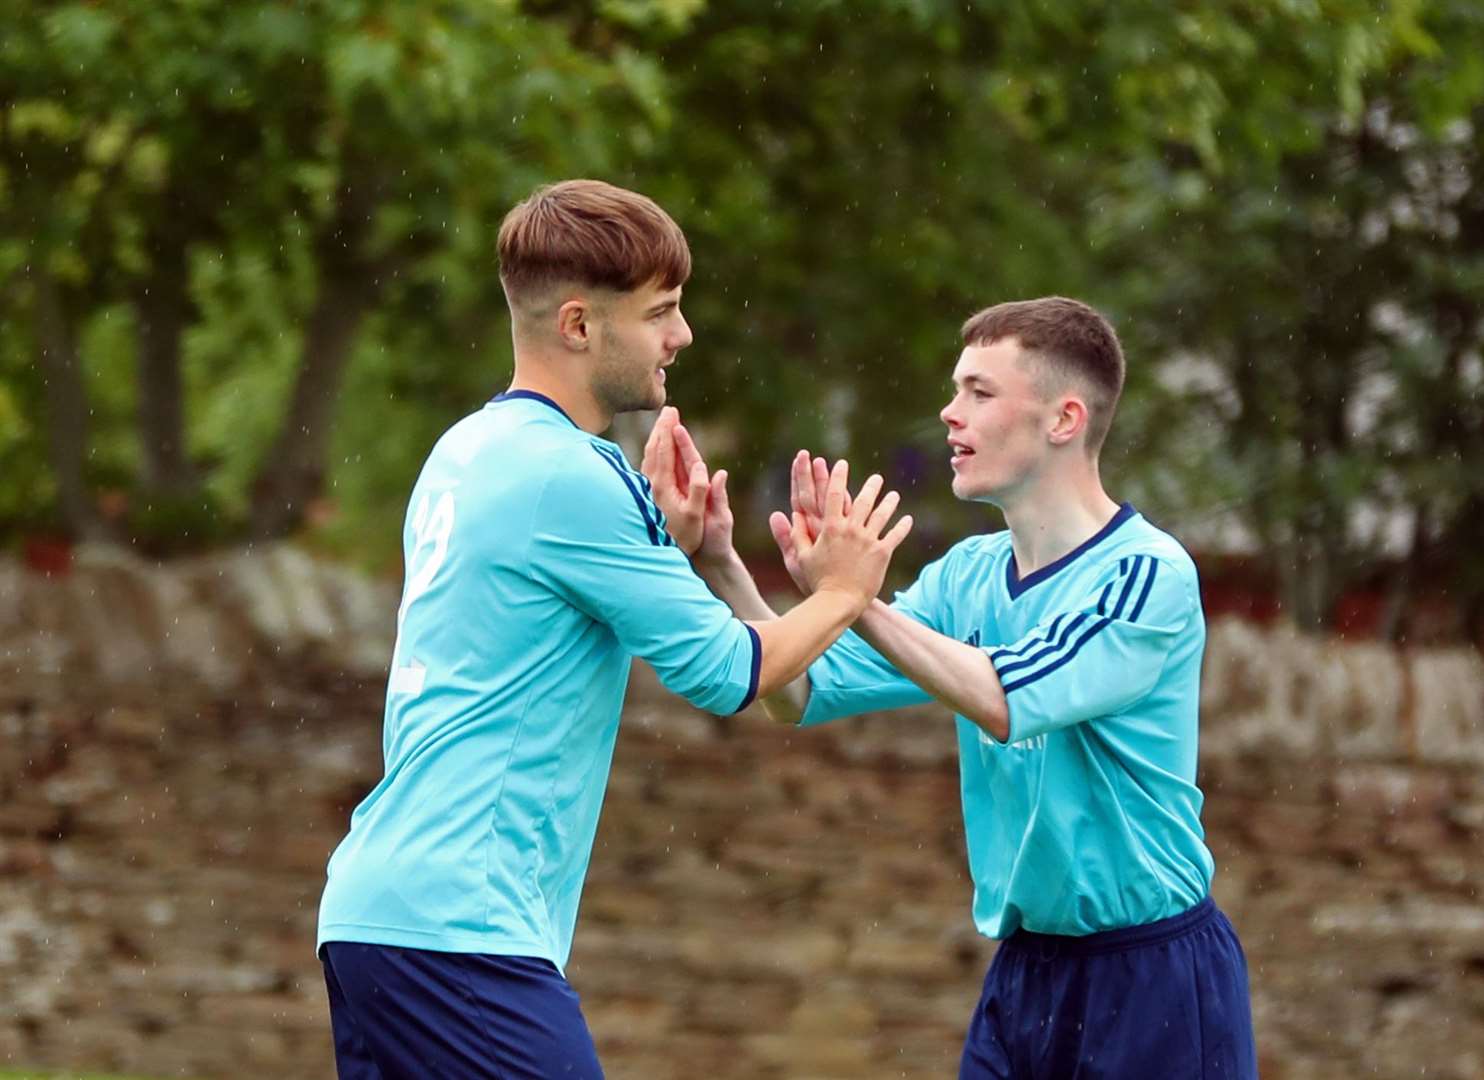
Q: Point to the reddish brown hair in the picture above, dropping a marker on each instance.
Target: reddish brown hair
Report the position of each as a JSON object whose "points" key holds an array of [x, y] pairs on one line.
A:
{"points": [[590, 233], [1071, 339]]}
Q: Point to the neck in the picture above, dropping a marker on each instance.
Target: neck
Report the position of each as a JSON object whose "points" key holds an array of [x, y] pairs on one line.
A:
{"points": [[558, 379], [1056, 515]]}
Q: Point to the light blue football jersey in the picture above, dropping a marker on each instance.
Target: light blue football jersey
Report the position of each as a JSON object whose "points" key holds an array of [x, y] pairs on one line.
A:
{"points": [[537, 564], [1088, 817]]}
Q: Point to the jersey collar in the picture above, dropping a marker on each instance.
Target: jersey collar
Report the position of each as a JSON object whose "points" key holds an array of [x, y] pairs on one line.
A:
{"points": [[509, 395], [1017, 585]]}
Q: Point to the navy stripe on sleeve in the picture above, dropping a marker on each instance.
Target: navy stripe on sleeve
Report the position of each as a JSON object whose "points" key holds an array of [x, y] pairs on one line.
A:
{"points": [[757, 668], [1127, 585], [1051, 632], [1063, 659], [1050, 650], [1148, 584], [659, 515], [1103, 600], [1137, 572], [657, 535]]}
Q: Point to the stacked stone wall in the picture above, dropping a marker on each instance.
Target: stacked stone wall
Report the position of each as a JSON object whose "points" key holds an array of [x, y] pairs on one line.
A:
{"points": [[180, 747]]}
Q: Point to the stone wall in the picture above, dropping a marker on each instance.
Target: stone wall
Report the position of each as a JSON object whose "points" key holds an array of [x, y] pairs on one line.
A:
{"points": [[180, 747]]}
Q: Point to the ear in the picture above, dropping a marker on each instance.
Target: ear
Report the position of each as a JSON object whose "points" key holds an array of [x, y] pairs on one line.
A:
{"points": [[1070, 421], [574, 324]]}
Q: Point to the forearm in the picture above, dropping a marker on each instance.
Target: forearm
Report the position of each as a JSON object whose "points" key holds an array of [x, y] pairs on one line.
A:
{"points": [[731, 582], [734, 586], [959, 675], [793, 641]]}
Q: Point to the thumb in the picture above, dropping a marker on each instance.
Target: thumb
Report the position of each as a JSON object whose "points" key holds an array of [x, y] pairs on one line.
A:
{"points": [[719, 502], [783, 536], [803, 543]]}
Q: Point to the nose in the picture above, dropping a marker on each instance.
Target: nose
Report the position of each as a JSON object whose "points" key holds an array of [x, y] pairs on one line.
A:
{"points": [[950, 417], [683, 336]]}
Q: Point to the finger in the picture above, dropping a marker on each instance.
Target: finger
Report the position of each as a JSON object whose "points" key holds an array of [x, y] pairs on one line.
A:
{"points": [[821, 476], [820, 473], [658, 468], [800, 485], [898, 533], [660, 431], [651, 452], [682, 473], [690, 454], [802, 541], [834, 499], [865, 501], [782, 530], [683, 467], [718, 498], [809, 502], [695, 496], [664, 461], [882, 514]]}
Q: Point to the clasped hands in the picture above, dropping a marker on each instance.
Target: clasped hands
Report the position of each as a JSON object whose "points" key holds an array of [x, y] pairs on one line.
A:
{"points": [[829, 541]]}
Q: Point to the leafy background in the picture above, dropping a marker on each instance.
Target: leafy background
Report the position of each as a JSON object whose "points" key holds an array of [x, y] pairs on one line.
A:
{"points": [[247, 270]]}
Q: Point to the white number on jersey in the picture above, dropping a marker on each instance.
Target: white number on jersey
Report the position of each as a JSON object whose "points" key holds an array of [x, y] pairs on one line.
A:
{"points": [[431, 532]]}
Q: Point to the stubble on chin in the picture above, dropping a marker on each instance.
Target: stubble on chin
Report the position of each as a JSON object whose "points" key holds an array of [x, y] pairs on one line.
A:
{"points": [[656, 394], [619, 396], [631, 399]]}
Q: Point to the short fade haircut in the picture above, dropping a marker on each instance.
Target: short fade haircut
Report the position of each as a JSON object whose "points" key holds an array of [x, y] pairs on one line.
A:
{"points": [[1071, 339], [589, 233]]}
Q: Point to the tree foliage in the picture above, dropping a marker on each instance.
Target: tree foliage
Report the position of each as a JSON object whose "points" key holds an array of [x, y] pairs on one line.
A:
{"points": [[243, 186], [246, 249], [1335, 297]]}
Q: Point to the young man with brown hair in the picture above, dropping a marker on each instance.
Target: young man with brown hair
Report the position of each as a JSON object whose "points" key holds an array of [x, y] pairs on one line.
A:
{"points": [[537, 565], [1069, 646]]}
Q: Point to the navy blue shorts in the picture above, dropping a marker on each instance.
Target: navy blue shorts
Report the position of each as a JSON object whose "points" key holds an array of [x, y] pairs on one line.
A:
{"points": [[411, 1013], [1168, 999]]}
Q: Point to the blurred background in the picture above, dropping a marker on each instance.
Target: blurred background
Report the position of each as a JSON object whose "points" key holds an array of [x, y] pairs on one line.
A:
{"points": [[247, 277]]}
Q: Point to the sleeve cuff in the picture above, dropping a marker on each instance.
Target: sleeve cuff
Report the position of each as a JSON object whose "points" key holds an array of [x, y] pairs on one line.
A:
{"points": [[757, 667]]}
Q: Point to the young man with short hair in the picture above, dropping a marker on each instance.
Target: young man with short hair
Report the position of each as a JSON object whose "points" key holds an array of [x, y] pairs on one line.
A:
{"points": [[1069, 646], [537, 565]]}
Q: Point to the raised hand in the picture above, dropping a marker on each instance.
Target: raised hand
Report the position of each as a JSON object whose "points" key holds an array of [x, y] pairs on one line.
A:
{"points": [[809, 481], [850, 552], [679, 491], [697, 511]]}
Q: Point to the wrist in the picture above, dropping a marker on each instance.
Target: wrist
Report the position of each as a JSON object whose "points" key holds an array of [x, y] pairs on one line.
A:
{"points": [[688, 541], [722, 568], [854, 599]]}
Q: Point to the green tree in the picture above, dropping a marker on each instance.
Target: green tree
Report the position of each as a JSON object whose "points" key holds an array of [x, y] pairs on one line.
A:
{"points": [[1334, 293], [246, 249], [861, 184], [361, 153]]}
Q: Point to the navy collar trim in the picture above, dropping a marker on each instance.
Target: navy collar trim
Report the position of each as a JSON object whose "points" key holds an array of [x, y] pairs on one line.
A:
{"points": [[1018, 585], [533, 396]]}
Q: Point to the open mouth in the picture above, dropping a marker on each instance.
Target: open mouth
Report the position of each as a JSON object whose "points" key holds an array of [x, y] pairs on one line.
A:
{"points": [[960, 452]]}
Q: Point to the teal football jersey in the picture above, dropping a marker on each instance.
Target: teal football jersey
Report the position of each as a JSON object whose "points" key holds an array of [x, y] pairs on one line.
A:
{"points": [[537, 565], [1088, 817]]}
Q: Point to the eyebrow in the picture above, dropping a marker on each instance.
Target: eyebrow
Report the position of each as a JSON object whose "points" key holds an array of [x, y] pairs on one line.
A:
{"points": [[972, 380]]}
